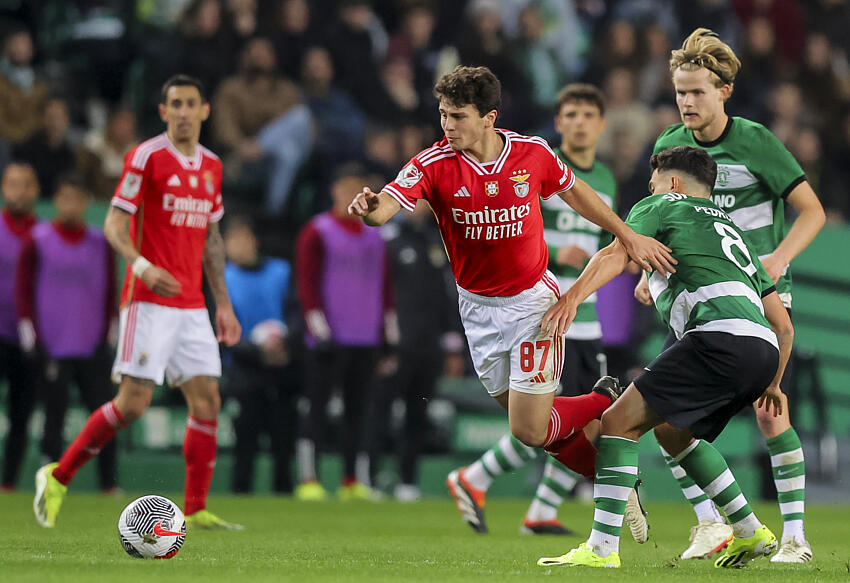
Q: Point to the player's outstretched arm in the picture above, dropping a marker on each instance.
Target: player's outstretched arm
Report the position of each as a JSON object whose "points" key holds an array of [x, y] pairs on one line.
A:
{"points": [[375, 208], [228, 327], [158, 280], [604, 266], [646, 251], [809, 221], [780, 321]]}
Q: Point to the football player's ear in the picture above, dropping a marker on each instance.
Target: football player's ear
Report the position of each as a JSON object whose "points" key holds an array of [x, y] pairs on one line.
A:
{"points": [[205, 111]]}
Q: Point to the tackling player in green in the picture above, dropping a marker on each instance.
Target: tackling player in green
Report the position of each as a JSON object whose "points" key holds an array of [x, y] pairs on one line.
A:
{"points": [[734, 338], [756, 177]]}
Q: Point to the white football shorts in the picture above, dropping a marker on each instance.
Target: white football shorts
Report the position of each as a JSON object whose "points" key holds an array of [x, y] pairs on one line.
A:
{"points": [[159, 342], [509, 350]]}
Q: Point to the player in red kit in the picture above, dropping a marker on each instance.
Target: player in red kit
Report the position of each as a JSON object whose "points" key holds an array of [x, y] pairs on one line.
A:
{"points": [[483, 184], [170, 198]]}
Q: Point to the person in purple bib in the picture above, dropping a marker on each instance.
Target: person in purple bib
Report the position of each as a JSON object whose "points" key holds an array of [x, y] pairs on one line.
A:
{"points": [[66, 300], [20, 190]]}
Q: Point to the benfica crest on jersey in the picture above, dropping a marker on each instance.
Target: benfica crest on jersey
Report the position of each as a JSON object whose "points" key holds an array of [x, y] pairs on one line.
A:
{"points": [[491, 188], [521, 187]]}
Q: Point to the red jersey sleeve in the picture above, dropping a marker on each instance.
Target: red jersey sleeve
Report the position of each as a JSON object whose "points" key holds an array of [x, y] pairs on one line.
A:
{"points": [[411, 184], [557, 176], [133, 180], [218, 203]]}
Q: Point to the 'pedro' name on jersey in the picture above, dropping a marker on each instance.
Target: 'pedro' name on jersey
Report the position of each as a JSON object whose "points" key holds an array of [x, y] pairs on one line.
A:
{"points": [[488, 214]]}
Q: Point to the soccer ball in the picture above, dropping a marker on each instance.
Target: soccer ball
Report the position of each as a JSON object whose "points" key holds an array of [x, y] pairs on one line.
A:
{"points": [[152, 527]]}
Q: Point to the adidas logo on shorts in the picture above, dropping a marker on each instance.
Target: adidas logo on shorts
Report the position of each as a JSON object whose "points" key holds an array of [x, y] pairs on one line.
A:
{"points": [[538, 378]]}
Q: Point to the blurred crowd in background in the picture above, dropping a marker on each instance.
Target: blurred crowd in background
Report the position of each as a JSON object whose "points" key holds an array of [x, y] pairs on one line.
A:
{"points": [[302, 88]]}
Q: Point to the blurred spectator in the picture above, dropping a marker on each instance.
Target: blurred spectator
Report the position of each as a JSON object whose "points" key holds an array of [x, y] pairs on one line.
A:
{"points": [[822, 91], [381, 151], [619, 50], [345, 291], [836, 186], [258, 116], [429, 327], [716, 15], [23, 94], [404, 103], [788, 111], [262, 376], [206, 43], [49, 151], [292, 36], [654, 81], [357, 44], [785, 16], [830, 17], [539, 62], [101, 161], [243, 18], [339, 123], [70, 339], [19, 188], [752, 90], [807, 149], [624, 114]]}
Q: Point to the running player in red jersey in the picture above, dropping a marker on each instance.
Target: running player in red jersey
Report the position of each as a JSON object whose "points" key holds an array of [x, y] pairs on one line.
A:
{"points": [[483, 183], [170, 198]]}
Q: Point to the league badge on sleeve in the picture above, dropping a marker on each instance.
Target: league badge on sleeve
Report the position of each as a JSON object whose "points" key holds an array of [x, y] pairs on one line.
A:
{"points": [[130, 185], [408, 176]]}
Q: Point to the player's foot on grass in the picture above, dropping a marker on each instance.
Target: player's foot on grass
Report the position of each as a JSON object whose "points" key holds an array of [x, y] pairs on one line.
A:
{"points": [[555, 527], [609, 386], [356, 491], [49, 494], [635, 516], [206, 520], [469, 500], [310, 492], [793, 551], [407, 493], [741, 551], [707, 538], [582, 556]]}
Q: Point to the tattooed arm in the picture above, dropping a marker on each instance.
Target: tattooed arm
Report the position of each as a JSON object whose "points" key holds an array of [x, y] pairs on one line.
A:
{"points": [[228, 327]]}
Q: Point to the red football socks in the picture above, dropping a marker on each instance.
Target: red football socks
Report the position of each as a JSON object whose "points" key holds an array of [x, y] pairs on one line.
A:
{"points": [[199, 449], [577, 453], [99, 429], [570, 414]]}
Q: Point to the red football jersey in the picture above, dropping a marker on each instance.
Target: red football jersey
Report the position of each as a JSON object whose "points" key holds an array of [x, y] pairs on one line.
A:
{"points": [[173, 199], [489, 214]]}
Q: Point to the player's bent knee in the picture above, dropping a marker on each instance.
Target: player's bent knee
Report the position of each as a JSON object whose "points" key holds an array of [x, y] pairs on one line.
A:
{"points": [[529, 436]]}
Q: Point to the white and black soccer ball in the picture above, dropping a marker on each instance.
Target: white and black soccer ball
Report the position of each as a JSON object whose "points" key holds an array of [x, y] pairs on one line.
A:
{"points": [[152, 527]]}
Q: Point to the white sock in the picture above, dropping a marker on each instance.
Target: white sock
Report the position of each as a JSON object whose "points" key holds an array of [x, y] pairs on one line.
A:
{"points": [[477, 476], [706, 510], [746, 527], [541, 512], [794, 528]]}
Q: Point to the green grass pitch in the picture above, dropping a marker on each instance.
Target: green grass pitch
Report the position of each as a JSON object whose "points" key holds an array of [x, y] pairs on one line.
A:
{"points": [[286, 540]]}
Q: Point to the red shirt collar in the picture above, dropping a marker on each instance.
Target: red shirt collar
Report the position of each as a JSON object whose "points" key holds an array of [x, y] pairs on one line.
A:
{"points": [[70, 234], [20, 225]]}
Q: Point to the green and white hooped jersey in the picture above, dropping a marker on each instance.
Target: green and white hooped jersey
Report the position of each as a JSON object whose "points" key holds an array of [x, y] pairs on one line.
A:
{"points": [[719, 282], [755, 173], [562, 227]]}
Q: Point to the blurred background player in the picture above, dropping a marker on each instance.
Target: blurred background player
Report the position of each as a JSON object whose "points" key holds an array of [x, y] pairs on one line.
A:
{"points": [[20, 191], [170, 198], [67, 298], [571, 240], [345, 291], [483, 185], [756, 177], [260, 372]]}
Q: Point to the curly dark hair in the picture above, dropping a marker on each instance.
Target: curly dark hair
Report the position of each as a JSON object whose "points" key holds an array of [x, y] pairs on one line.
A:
{"points": [[476, 86], [695, 162]]}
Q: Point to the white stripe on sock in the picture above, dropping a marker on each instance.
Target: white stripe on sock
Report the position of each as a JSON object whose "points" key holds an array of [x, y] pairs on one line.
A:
{"points": [[785, 458], [792, 507], [507, 449], [565, 478], [706, 510], [678, 472], [491, 463], [735, 505], [719, 484], [692, 492], [609, 518], [546, 493], [612, 492], [789, 484]]}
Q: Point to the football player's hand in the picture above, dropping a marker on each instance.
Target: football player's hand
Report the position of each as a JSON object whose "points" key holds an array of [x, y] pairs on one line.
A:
{"points": [[571, 255], [557, 319], [773, 266], [771, 396], [642, 292], [364, 203], [227, 326], [160, 282], [649, 253]]}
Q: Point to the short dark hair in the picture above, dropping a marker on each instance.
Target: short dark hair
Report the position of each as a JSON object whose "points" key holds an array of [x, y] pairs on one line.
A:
{"points": [[73, 180], [182, 80], [582, 93], [695, 162], [349, 170], [476, 86]]}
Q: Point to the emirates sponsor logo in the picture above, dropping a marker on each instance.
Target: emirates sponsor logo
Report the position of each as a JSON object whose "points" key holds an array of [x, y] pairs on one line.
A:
{"points": [[491, 224], [187, 204]]}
